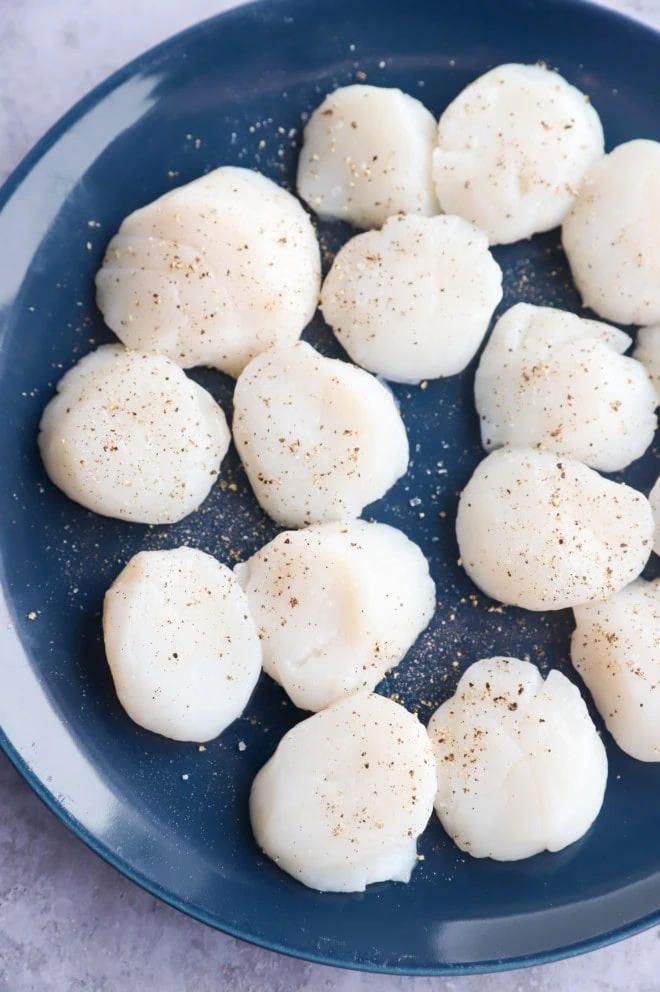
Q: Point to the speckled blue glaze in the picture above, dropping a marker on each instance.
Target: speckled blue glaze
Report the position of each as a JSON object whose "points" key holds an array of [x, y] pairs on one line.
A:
{"points": [[170, 816]]}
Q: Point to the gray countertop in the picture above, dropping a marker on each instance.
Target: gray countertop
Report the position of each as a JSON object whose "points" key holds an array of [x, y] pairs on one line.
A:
{"points": [[69, 922]]}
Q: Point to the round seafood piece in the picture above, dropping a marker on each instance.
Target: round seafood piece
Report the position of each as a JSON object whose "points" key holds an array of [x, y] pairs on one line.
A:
{"points": [[366, 155], [319, 438], [212, 273], [337, 606], [513, 149], [414, 300], [345, 796], [549, 378], [654, 500], [647, 351], [182, 647], [129, 435], [545, 532], [616, 649], [612, 235], [521, 768]]}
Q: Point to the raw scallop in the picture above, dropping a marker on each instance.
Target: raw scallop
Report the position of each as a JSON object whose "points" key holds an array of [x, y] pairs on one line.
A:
{"points": [[647, 351], [549, 378], [129, 435], [654, 500], [521, 768], [616, 650], [513, 148], [182, 647], [319, 438], [366, 155], [612, 235], [414, 300], [348, 791], [213, 272], [336, 605], [545, 532]]}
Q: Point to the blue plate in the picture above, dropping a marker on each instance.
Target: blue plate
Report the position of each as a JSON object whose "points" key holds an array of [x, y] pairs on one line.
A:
{"points": [[173, 817]]}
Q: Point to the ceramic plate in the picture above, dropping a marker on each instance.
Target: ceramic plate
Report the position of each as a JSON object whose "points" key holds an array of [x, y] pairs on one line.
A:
{"points": [[235, 90]]}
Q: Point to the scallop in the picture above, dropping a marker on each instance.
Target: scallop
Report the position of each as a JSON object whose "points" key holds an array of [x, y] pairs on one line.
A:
{"points": [[545, 532], [513, 149], [616, 649], [129, 435], [366, 155], [348, 791], [549, 378], [337, 606], [647, 351], [612, 235], [319, 438], [414, 300], [521, 768], [181, 645], [212, 273]]}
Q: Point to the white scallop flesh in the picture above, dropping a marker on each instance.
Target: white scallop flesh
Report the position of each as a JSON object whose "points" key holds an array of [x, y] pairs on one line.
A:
{"points": [[129, 435], [366, 155], [544, 532], [616, 649], [181, 645], [521, 768], [413, 300], [647, 351], [513, 148], [319, 438], [348, 791], [213, 272], [654, 500], [549, 378], [337, 606], [612, 235]]}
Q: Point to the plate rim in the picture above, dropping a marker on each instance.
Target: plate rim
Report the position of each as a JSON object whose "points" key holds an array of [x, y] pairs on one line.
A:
{"points": [[249, 9]]}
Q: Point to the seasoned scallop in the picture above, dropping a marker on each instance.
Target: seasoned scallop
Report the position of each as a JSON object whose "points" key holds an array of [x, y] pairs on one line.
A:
{"points": [[647, 351], [549, 378], [654, 500], [414, 300], [544, 532], [521, 768], [513, 148], [182, 647], [616, 649], [348, 791], [129, 435], [366, 155], [319, 438], [212, 273], [336, 605], [612, 235]]}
